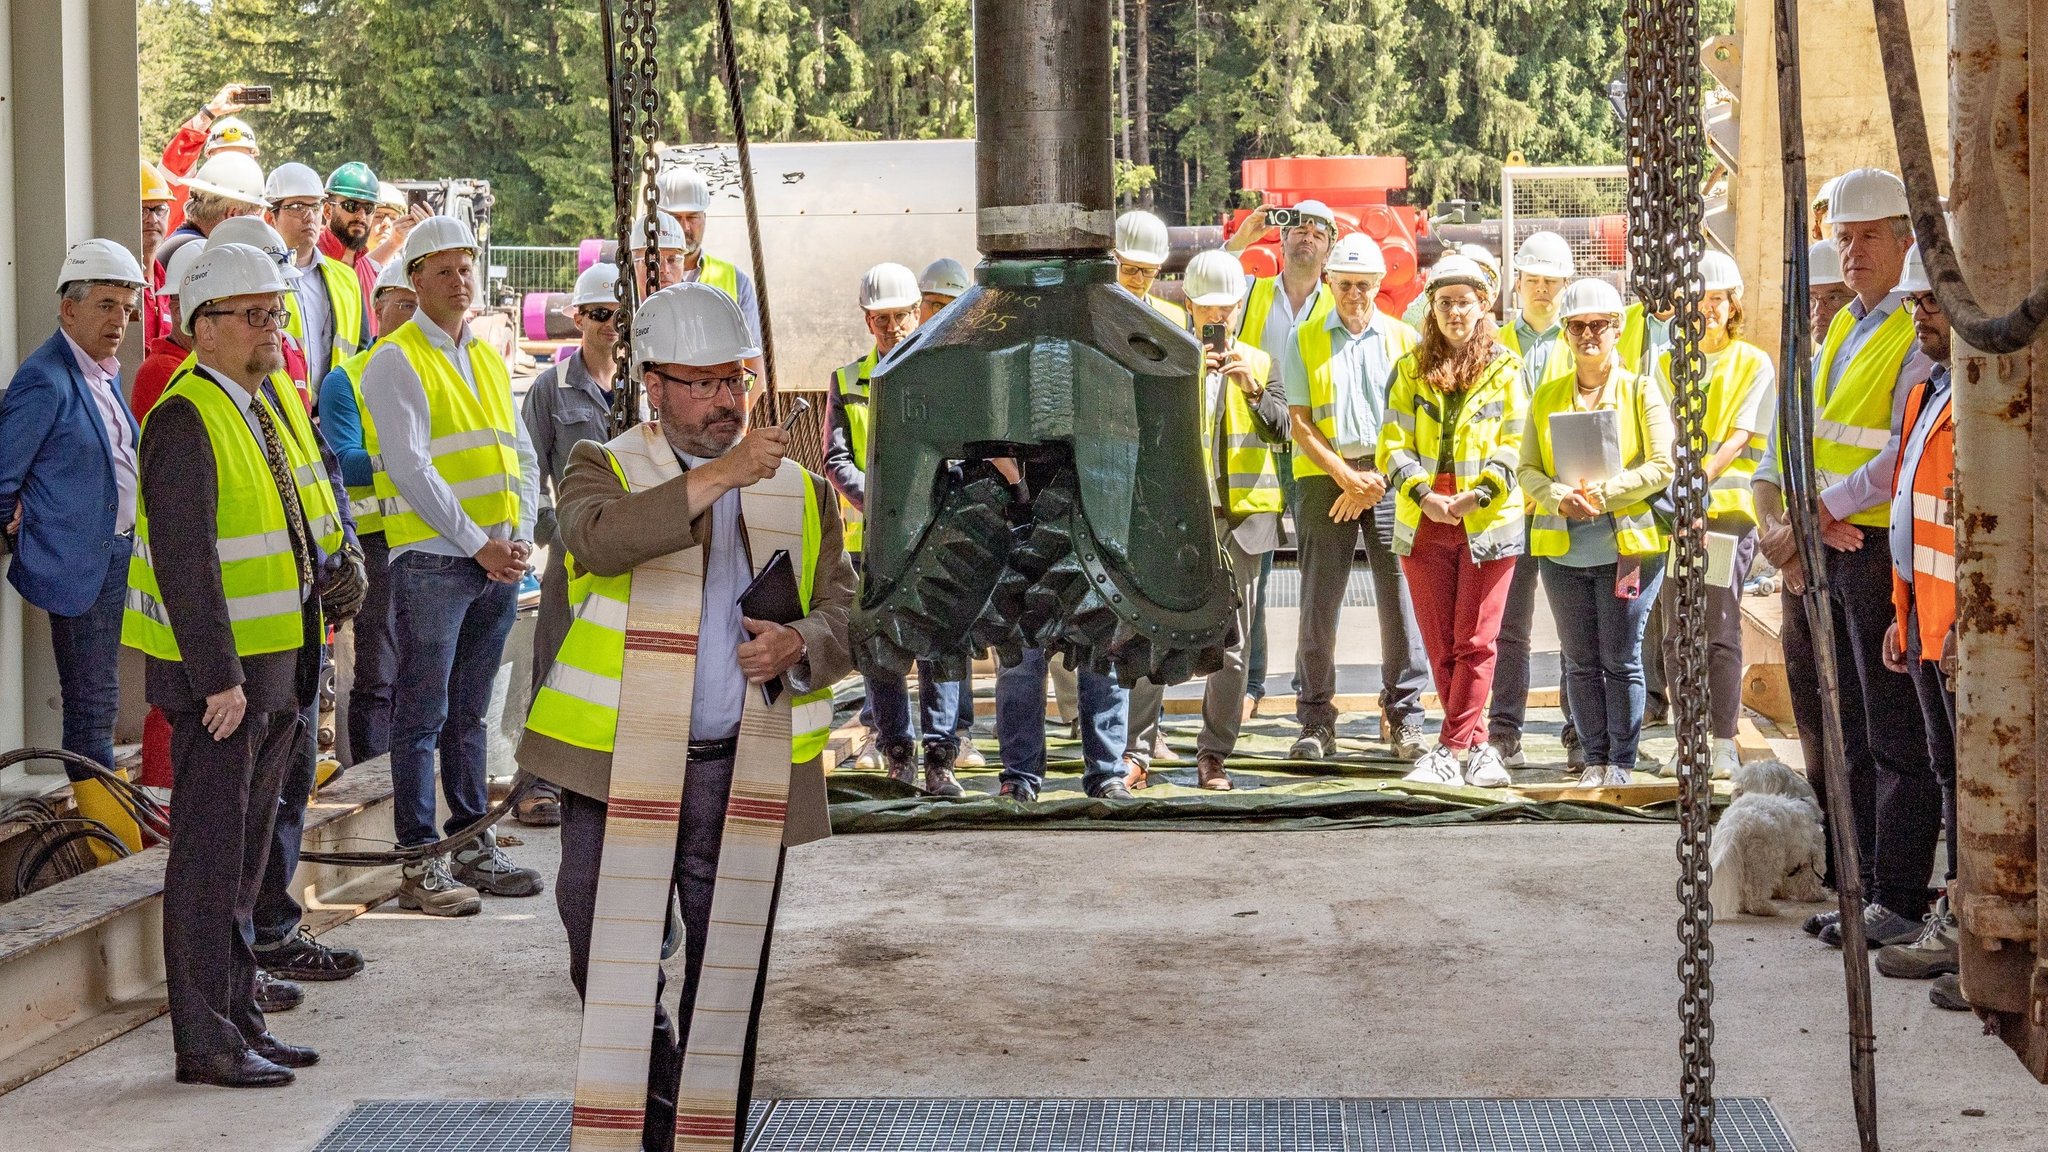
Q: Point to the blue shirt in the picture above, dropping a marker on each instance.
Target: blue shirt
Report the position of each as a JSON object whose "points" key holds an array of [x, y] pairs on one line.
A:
{"points": [[719, 693], [1361, 372], [341, 425]]}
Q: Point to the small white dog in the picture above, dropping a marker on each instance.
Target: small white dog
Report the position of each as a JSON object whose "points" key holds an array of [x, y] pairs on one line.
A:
{"points": [[1768, 843]]}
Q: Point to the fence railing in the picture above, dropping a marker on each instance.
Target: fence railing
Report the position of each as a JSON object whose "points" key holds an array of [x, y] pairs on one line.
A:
{"points": [[534, 269]]}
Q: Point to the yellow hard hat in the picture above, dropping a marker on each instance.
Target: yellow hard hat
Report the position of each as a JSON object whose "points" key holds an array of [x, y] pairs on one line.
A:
{"points": [[155, 189]]}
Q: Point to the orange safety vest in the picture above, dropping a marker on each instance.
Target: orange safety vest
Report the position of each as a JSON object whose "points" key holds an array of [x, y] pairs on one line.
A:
{"points": [[1933, 588]]}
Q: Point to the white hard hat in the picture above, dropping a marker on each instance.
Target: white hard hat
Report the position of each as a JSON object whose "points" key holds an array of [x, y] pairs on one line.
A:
{"points": [[1719, 272], [98, 259], [683, 189], [1317, 210], [1141, 239], [1483, 256], [224, 271], [1915, 277], [288, 181], [599, 284], [945, 277], [392, 275], [232, 176], [179, 263], [1457, 268], [1589, 297], [390, 195], [669, 233], [230, 132], [253, 231], [1867, 194], [435, 234], [1546, 254], [1214, 279], [1823, 264], [1357, 253], [692, 324], [887, 286], [1826, 195]]}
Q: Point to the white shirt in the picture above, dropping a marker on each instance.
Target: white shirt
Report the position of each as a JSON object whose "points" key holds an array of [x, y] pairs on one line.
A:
{"points": [[316, 312], [103, 381], [720, 692], [1278, 334], [398, 405]]}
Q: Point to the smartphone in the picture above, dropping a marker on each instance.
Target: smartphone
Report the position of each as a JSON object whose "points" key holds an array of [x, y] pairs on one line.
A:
{"points": [[1216, 338], [253, 94], [1282, 218]]}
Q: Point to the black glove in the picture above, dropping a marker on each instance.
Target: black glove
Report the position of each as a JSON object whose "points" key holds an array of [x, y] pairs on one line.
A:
{"points": [[342, 596], [544, 526]]}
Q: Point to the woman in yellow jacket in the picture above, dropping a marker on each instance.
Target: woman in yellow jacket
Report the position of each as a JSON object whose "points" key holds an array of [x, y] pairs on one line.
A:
{"points": [[1601, 551], [1449, 447]]}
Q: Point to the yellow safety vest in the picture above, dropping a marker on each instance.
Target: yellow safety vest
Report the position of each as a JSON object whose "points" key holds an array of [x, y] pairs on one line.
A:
{"points": [[302, 449], [851, 382], [1251, 480], [1736, 376], [1316, 344], [345, 293], [1855, 420], [1558, 363], [472, 438], [362, 498], [258, 572], [1170, 310], [720, 275], [579, 701], [1635, 336], [1635, 528], [1488, 434], [1251, 326]]}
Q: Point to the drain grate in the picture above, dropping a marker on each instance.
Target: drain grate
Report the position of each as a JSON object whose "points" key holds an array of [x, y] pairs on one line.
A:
{"points": [[1283, 587], [1743, 1124]]}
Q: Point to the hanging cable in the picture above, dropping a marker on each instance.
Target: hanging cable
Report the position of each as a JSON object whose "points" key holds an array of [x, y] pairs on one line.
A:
{"points": [[736, 102]]}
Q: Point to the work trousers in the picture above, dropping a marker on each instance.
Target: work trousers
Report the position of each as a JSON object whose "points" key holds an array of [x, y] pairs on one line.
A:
{"points": [[938, 709], [1458, 605], [1255, 645], [1020, 723], [87, 648], [1724, 631], [221, 821], [277, 913], [1893, 794], [1512, 666], [452, 621], [1602, 636], [376, 659], [1938, 713], [699, 833], [1326, 551], [1223, 691], [1657, 634]]}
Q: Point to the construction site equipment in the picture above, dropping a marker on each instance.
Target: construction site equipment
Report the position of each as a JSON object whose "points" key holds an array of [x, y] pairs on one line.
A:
{"points": [[1141, 239], [223, 271], [598, 284], [887, 286], [1589, 298], [229, 133], [1585, 207], [155, 189], [1355, 253], [1364, 193], [945, 277], [693, 324]]}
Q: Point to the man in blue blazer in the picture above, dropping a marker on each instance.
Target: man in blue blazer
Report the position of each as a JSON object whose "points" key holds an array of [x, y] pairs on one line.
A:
{"points": [[67, 498]]}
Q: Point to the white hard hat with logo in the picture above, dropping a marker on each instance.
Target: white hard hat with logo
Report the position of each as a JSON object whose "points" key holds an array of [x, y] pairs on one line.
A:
{"points": [[1141, 239], [1357, 253], [598, 284], [889, 286], [432, 235], [225, 271], [230, 132], [391, 276], [179, 263], [1915, 277], [1214, 279], [1589, 297], [1823, 264], [99, 259], [669, 233], [292, 181], [945, 277], [1867, 194], [232, 176], [1546, 254], [254, 231], [1460, 269], [693, 324], [683, 189]]}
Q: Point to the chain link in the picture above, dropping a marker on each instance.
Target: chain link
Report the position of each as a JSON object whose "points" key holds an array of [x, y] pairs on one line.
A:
{"points": [[631, 65], [1667, 173]]}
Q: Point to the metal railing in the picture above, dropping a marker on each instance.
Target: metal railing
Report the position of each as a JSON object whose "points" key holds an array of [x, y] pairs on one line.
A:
{"points": [[535, 269]]}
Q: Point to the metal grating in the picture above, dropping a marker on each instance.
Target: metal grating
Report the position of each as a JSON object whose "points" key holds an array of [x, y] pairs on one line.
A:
{"points": [[1743, 1124], [1283, 586]]}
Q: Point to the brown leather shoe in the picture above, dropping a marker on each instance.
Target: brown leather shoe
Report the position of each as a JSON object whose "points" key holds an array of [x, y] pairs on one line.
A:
{"points": [[1137, 775], [1209, 773]]}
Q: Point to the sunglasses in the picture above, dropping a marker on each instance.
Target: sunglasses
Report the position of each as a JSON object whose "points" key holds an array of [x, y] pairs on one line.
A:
{"points": [[355, 207], [601, 315], [1588, 327]]}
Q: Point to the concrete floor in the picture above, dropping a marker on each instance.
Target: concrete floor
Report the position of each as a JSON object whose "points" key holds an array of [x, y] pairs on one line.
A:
{"points": [[1498, 961]]}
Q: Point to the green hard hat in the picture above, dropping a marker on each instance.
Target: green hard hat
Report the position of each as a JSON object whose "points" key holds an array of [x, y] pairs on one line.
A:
{"points": [[354, 180]]}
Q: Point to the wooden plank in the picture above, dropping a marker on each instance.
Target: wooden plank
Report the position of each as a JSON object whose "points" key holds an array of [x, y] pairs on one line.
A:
{"points": [[1750, 744], [1626, 795]]}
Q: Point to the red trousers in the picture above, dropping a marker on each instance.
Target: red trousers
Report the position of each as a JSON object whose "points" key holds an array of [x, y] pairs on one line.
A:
{"points": [[1458, 606]]}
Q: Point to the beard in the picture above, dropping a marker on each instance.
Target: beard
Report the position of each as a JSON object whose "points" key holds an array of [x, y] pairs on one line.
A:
{"points": [[264, 361], [708, 438], [354, 235]]}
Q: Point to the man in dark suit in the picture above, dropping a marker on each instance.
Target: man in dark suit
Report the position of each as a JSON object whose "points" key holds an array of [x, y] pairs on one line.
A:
{"points": [[67, 499]]}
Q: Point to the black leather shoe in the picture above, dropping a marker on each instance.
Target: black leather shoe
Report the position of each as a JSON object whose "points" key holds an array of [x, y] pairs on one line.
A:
{"points": [[1114, 790], [274, 995], [243, 1069], [282, 1054]]}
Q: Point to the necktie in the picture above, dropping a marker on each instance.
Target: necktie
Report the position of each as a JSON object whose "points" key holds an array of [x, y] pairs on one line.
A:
{"points": [[287, 491]]}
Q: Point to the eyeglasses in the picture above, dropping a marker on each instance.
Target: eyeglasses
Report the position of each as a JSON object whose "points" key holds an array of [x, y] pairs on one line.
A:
{"points": [[1927, 303], [1588, 327], [300, 208], [257, 318], [355, 207], [1451, 307], [1355, 287], [738, 385], [601, 315], [160, 210]]}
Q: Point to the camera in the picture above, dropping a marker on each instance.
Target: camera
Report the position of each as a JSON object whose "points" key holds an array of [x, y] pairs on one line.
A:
{"points": [[1282, 218]]}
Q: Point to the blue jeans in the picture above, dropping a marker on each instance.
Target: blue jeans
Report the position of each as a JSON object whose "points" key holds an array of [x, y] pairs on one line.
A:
{"points": [[1602, 638], [450, 621], [938, 709], [88, 650], [277, 913], [1020, 723]]}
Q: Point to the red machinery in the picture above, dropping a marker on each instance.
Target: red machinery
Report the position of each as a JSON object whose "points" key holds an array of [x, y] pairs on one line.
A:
{"points": [[1366, 193]]}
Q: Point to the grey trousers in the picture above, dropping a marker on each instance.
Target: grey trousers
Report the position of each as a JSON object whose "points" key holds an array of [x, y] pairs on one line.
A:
{"points": [[1325, 552], [1223, 693]]}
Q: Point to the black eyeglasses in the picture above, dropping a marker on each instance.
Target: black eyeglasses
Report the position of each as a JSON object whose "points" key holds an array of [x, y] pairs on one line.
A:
{"points": [[601, 315], [1915, 305], [257, 318], [355, 207], [738, 385]]}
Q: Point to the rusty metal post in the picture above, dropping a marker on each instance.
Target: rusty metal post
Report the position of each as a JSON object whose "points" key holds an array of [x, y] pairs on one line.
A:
{"points": [[2001, 224]]}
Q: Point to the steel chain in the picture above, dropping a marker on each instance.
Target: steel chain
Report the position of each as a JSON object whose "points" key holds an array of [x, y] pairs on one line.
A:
{"points": [[632, 64], [1667, 174]]}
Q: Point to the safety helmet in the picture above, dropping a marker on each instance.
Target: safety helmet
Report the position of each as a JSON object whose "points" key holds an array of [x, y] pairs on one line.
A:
{"points": [[887, 286], [945, 277], [155, 189], [390, 196], [230, 132], [1719, 272], [1357, 253], [693, 324], [1546, 254], [1214, 279], [683, 189], [99, 259], [180, 262], [1141, 239], [253, 231], [1317, 210], [392, 276], [1824, 199], [1457, 268], [1867, 194], [436, 234], [1823, 264], [598, 284], [291, 181], [222, 272], [670, 233], [353, 181], [1915, 277], [232, 176], [1589, 297]]}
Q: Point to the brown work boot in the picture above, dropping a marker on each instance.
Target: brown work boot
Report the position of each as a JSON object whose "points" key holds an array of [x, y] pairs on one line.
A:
{"points": [[540, 807], [899, 761], [1209, 773], [1137, 773], [938, 773]]}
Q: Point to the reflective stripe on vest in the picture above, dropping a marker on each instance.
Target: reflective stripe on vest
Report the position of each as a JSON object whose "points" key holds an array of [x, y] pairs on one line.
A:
{"points": [[258, 573], [1489, 431], [1635, 528], [1251, 479], [1251, 326], [473, 438], [851, 381], [362, 498], [579, 701], [1316, 346], [1741, 369], [1855, 420]]}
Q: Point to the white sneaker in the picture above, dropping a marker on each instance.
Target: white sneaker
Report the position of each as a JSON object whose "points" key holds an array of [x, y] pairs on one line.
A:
{"points": [[1668, 768], [869, 758], [1616, 775], [1486, 769], [1439, 765], [1592, 776], [1726, 758]]}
